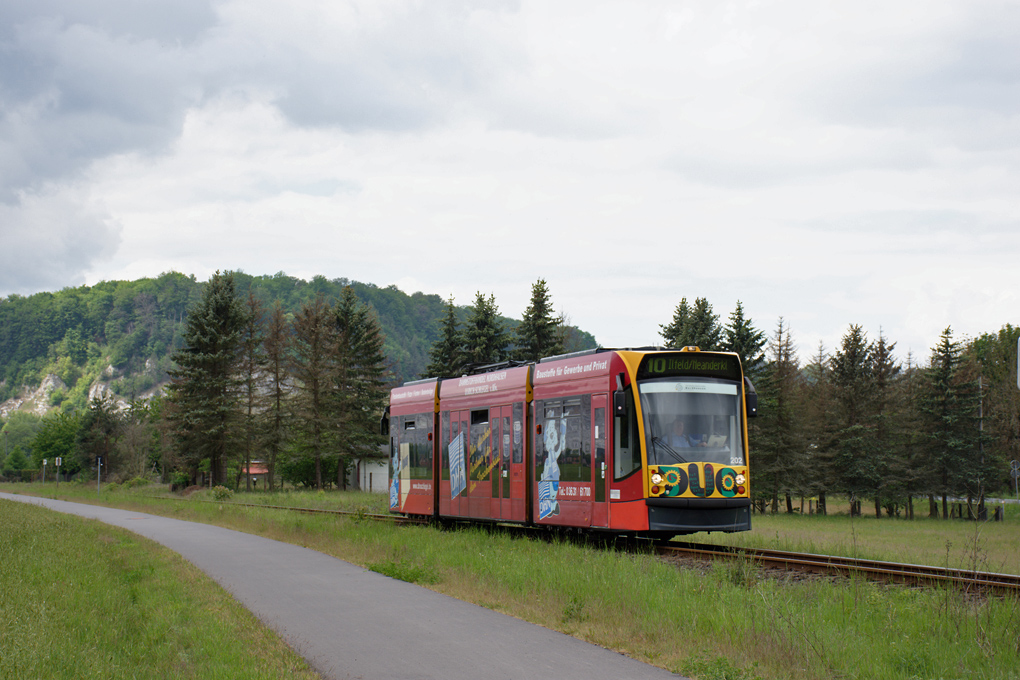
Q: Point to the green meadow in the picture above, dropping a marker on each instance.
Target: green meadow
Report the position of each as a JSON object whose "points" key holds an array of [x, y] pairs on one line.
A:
{"points": [[728, 621], [80, 599]]}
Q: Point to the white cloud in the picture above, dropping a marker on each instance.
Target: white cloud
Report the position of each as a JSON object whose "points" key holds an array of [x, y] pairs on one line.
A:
{"points": [[51, 239], [828, 163]]}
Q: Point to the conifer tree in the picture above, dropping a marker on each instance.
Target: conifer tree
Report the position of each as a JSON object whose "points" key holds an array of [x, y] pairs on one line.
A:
{"points": [[677, 332], [359, 382], [311, 365], [446, 357], [485, 339], [886, 417], [914, 477], [779, 442], [995, 353], [746, 340], [817, 408], [205, 384], [539, 332], [705, 328], [98, 433], [252, 367], [857, 455], [694, 326], [950, 406], [276, 348]]}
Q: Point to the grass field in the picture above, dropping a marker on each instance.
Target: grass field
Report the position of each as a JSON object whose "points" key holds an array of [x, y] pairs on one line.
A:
{"points": [[985, 546], [80, 599], [727, 622]]}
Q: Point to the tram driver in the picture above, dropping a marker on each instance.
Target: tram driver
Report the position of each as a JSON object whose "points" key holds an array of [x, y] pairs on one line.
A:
{"points": [[677, 437]]}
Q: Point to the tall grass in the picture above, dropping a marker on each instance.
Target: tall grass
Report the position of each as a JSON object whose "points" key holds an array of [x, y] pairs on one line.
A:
{"points": [[728, 621], [918, 541], [80, 599]]}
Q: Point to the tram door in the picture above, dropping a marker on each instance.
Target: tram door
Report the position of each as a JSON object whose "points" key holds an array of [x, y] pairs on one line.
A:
{"points": [[599, 467], [457, 462], [508, 480], [501, 459]]}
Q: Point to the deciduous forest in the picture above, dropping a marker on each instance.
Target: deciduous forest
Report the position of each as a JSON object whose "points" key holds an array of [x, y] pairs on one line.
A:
{"points": [[192, 379]]}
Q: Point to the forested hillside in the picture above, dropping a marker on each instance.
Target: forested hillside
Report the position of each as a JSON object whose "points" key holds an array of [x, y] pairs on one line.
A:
{"points": [[123, 332]]}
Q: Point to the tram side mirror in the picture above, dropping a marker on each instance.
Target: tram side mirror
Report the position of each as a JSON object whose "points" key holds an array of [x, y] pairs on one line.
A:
{"points": [[750, 399], [384, 424], [619, 402]]}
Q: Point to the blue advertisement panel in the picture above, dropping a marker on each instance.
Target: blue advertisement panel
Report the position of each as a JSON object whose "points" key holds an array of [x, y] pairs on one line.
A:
{"points": [[458, 479]]}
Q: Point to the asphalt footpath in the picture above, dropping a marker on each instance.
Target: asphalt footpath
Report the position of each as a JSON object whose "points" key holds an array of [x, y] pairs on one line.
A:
{"points": [[350, 623]]}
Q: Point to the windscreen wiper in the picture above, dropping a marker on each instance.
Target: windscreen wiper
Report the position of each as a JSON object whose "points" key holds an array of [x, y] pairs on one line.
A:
{"points": [[657, 441]]}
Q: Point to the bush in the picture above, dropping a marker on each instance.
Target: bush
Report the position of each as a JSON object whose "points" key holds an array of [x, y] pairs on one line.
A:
{"points": [[222, 493], [137, 481]]}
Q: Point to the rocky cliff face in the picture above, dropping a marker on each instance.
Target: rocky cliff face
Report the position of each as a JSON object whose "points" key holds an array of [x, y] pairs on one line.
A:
{"points": [[36, 401]]}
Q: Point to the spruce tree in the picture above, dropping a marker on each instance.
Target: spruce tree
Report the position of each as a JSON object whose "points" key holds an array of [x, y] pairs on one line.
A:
{"points": [[857, 455], [995, 353], [276, 349], [539, 332], [951, 406], [779, 443], [705, 329], [485, 339], [816, 407], [886, 417], [359, 382], [694, 326], [746, 340], [446, 357], [252, 367], [205, 385], [677, 332], [311, 366]]}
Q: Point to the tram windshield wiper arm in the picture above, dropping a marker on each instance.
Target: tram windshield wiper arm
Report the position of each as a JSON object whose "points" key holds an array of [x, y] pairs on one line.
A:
{"points": [[657, 441]]}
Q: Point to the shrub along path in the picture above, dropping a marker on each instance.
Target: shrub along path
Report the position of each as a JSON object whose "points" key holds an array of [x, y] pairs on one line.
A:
{"points": [[349, 622]]}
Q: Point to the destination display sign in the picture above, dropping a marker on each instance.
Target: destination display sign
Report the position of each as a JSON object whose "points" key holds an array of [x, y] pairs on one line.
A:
{"points": [[414, 394], [493, 382], [686, 364]]}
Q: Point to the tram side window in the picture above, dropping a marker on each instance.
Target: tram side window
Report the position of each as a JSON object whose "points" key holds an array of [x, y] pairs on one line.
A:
{"points": [[626, 451], [414, 433], [423, 463], [480, 445], [450, 430], [519, 432], [565, 445]]}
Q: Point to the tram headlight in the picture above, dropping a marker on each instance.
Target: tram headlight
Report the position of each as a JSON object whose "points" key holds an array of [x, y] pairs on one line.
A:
{"points": [[741, 479], [656, 478]]}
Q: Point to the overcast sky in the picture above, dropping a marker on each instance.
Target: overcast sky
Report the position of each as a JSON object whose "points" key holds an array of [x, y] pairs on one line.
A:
{"points": [[828, 163]]}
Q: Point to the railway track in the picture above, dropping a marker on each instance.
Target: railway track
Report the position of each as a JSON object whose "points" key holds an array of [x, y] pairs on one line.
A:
{"points": [[888, 572]]}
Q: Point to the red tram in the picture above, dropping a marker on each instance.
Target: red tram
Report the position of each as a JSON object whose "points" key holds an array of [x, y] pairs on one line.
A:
{"points": [[647, 442]]}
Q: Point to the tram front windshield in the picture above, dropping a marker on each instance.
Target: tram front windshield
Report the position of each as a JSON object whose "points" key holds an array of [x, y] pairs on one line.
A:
{"points": [[692, 420]]}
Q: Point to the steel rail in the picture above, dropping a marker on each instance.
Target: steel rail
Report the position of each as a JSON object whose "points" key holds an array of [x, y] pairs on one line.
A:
{"points": [[357, 514], [913, 574]]}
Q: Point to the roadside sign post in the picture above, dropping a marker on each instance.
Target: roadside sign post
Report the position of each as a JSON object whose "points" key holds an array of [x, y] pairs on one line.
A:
{"points": [[44, 462], [99, 474], [57, 462], [1015, 471]]}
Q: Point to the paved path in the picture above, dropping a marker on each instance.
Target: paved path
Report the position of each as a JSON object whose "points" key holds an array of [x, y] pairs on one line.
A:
{"points": [[349, 622]]}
